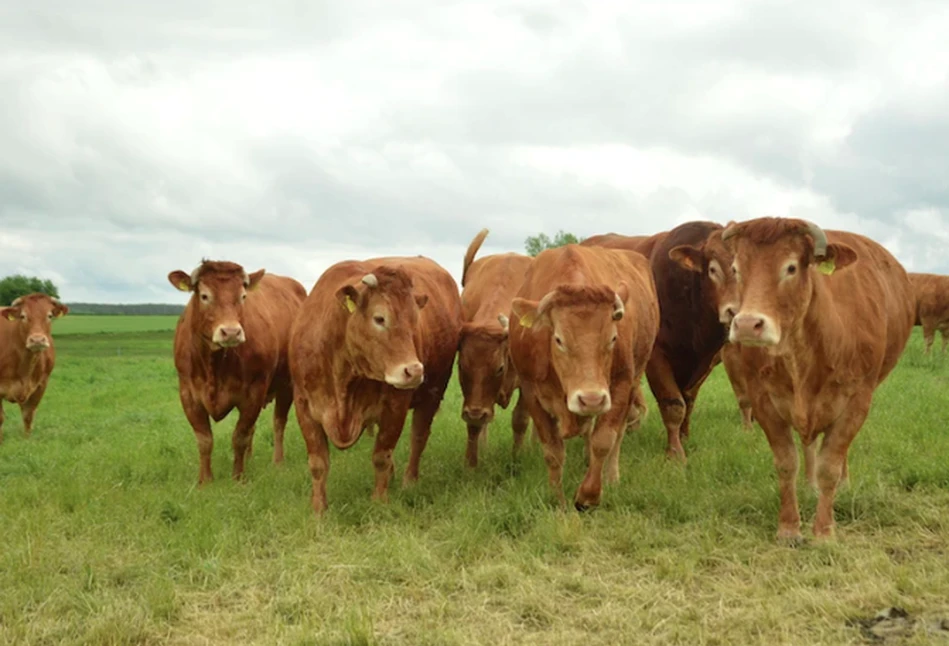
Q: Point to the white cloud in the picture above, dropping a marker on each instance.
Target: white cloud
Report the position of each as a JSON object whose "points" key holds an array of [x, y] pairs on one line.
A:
{"points": [[135, 139]]}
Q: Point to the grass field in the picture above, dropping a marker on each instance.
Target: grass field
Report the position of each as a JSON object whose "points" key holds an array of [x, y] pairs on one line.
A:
{"points": [[106, 539]]}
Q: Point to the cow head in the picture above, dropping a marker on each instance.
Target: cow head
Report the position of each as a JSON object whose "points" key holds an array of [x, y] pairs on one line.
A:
{"points": [[777, 261], [484, 370], [712, 259], [580, 322], [382, 326], [34, 315], [220, 288]]}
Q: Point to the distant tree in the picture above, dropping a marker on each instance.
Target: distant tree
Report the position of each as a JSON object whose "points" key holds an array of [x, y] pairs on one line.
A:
{"points": [[535, 244], [17, 285]]}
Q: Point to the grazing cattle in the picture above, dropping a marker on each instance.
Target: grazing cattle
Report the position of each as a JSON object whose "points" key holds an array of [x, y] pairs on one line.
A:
{"points": [[231, 352], [823, 318], [932, 306], [583, 327], [689, 266], [374, 339], [27, 355], [485, 370]]}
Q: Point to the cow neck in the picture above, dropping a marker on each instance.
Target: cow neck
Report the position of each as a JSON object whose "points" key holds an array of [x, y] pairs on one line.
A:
{"points": [[819, 345]]}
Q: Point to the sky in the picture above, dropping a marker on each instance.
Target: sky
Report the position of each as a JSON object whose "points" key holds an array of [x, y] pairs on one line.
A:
{"points": [[138, 138]]}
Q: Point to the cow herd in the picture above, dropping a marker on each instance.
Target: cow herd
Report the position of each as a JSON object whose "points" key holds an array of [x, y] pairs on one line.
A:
{"points": [[807, 323]]}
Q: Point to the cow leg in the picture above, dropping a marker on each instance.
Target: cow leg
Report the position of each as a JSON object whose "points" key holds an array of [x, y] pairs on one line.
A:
{"points": [[929, 335], [281, 411], [603, 444], [520, 420], [243, 437], [28, 409], [780, 437], [1, 420], [317, 452], [201, 425], [689, 396], [422, 418], [474, 437], [669, 397], [552, 442], [944, 335], [832, 461], [390, 430], [810, 463]]}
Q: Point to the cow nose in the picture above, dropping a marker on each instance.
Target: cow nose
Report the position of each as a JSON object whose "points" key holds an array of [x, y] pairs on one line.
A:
{"points": [[229, 335], [591, 400], [748, 326], [37, 342], [474, 414], [408, 375]]}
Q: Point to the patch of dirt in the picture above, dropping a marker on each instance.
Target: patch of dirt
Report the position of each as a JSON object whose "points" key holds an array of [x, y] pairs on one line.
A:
{"points": [[892, 625]]}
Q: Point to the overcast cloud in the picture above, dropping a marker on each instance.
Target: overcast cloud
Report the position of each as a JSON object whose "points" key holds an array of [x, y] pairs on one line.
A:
{"points": [[136, 138]]}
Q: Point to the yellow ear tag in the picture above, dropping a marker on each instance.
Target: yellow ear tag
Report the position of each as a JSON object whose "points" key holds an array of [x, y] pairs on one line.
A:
{"points": [[11, 316], [527, 320], [350, 305], [183, 286], [827, 267]]}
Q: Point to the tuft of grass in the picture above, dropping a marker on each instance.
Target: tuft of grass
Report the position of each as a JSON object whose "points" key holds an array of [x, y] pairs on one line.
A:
{"points": [[109, 541]]}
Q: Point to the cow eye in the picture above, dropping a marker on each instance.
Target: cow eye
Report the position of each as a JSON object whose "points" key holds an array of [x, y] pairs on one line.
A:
{"points": [[559, 342], [500, 370], [711, 270], [791, 270], [205, 298], [243, 297], [613, 340], [379, 320], [50, 316]]}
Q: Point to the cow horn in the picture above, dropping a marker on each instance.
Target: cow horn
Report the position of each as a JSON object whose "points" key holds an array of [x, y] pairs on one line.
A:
{"points": [[370, 280], [730, 231], [820, 239], [505, 324], [16, 301]]}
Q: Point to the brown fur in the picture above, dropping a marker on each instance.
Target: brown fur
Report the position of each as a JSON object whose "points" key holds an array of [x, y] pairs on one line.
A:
{"points": [[692, 303], [24, 374], [932, 307], [213, 380], [585, 281], [839, 337], [338, 360], [489, 285]]}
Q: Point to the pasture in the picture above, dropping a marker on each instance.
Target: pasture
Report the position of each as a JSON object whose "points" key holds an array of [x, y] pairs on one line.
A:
{"points": [[107, 540]]}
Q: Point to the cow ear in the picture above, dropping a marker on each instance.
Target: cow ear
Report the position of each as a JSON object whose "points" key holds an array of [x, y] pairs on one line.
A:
{"points": [[60, 310], [348, 297], [526, 311], [180, 280], [688, 257], [838, 256], [9, 313], [421, 300], [254, 279]]}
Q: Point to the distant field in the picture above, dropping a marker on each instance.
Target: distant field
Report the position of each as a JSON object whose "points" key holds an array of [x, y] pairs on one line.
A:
{"points": [[106, 539], [91, 324]]}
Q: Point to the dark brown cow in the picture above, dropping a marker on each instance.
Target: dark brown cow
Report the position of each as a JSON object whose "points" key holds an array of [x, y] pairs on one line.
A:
{"points": [[823, 319], [583, 327], [231, 352], [485, 370], [689, 266], [932, 306], [373, 340], [27, 355]]}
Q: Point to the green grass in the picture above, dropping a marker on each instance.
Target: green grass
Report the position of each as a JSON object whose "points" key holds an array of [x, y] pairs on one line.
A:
{"points": [[106, 539], [91, 324]]}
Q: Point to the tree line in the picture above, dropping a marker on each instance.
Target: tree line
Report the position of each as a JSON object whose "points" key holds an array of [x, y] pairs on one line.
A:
{"points": [[12, 287]]}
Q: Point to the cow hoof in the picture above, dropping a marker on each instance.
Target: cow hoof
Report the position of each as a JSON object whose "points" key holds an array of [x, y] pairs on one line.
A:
{"points": [[790, 540], [584, 507]]}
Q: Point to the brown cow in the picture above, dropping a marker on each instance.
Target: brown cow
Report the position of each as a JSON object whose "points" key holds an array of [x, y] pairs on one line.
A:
{"points": [[932, 306], [231, 352], [823, 319], [374, 339], [586, 321], [688, 265], [27, 355], [485, 371], [731, 359]]}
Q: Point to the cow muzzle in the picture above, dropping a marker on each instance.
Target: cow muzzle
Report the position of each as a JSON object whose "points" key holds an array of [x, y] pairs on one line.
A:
{"points": [[37, 342], [754, 329], [475, 415], [228, 336], [406, 376], [589, 402]]}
